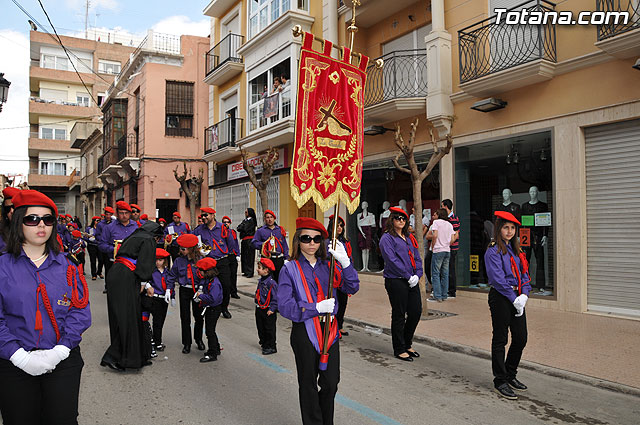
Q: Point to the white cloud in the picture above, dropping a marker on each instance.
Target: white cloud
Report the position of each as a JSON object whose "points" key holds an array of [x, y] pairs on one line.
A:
{"points": [[94, 4], [183, 25], [15, 113]]}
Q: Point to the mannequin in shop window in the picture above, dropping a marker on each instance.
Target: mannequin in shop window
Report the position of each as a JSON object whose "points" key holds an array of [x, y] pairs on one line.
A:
{"points": [[538, 237], [508, 205], [403, 204], [366, 227], [385, 214]]}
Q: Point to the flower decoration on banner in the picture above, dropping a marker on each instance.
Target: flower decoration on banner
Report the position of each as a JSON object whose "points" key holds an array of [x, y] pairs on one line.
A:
{"points": [[327, 159]]}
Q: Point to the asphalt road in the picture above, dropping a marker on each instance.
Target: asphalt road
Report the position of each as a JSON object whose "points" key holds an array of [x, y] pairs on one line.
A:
{"points": [[244, 387]]}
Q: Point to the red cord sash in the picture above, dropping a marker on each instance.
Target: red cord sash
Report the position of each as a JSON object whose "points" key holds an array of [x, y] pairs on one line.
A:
{"points": [[516, 272], [267, 301], [190, 277]]}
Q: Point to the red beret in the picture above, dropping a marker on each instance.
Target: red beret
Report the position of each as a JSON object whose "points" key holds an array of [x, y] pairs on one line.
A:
{"points": [[507, 216], [177, 214], [399, 211], [161, 253], [270, 212], [208, 210], [109, 210], [187, 240], [9, 192], [121, 205], [68, 216], [33, 198], [95, 217], [162, 220], [268, 264], [312, 224], [144, 217], [76, 234], [136, 207], [207, 263], [341, 219], [227, 217]]}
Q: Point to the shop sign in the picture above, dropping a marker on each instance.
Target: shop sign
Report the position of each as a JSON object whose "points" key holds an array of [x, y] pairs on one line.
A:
{"points": [[474, 263], [236, 169], [543, 219], [525, 237], [528, 220]]}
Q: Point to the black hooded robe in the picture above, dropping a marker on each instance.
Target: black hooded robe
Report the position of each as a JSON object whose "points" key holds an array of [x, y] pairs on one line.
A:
{"points": [[247, 229]]}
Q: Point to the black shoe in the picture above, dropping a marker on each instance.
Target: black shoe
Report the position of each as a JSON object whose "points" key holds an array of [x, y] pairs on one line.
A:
{"points": [[209, 357], [505, 391], [104, 291], [101, 276], [265, 351], [154, 354], [226, 314], [186, 349], [405, 359], [160, 347], [517, 385], [200, 345], [249, 276], [413, 353], [93, 278], [236, 296], [344, 333], [112, 365]]}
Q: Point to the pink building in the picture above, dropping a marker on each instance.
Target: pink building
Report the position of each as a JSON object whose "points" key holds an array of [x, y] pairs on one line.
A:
{"points": [[154, 116]]}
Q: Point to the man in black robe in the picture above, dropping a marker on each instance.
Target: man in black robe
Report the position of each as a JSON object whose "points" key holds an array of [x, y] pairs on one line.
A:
{"points": [[135, 262]]}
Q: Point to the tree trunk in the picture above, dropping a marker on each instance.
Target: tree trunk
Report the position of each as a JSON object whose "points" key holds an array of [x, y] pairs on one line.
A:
{"points": [[417, 206], [264, 198]]}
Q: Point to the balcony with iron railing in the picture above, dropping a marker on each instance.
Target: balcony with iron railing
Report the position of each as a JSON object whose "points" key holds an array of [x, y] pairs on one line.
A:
{"points": [[271, 122], [220, 139], [496, 57], [619, 35], [128, 155], [398, 89], [223, 61], [108, 161]]}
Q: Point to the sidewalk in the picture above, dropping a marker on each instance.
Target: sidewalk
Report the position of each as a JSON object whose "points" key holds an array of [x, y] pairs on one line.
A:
{"points": [[596, 346]]}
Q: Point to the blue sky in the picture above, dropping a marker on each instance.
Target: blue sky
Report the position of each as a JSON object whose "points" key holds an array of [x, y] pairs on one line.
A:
{"points": [[125, 16]]}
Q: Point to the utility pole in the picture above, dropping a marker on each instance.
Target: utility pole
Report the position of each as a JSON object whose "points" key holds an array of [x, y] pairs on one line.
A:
{"points": [[86, 20]]}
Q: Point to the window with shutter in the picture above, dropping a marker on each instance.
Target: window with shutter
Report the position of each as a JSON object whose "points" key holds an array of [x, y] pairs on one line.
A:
{"points": [[179, 109]]}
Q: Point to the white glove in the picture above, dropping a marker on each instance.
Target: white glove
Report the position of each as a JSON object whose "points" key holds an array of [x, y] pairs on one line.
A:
{"points": [[340, 254], [237, 258], [53, 356], [167, 296], [413, 281], [519, 304], [31, 364], [196, 297], [326, 306], [519, 311]]}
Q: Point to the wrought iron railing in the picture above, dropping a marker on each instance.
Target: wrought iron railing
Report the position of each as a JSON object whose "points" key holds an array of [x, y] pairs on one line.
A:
{"points": [[618, 23], [110, 157], [487, 47], [403, 75], [225, 51], [222, 134], [127, 147]]}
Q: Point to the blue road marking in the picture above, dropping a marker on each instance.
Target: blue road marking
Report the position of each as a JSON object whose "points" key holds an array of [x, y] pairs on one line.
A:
{"points": [[346, 402]]}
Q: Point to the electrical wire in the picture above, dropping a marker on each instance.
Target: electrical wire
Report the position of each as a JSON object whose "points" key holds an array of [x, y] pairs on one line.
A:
{"points": [[55, 122]]}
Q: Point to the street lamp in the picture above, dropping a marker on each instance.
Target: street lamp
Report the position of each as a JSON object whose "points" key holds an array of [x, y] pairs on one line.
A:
{"points": [[4, 90]]}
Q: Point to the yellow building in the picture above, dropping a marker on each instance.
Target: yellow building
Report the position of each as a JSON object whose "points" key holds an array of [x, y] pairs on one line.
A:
{"points": [[545, 120]]}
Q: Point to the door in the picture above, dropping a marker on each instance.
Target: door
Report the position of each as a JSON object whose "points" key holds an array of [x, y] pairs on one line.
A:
{"points": [[165, 209], [308, 209]]}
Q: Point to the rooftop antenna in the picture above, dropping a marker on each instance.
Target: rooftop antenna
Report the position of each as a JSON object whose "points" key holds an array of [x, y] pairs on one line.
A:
{"points": [[86, 19]]}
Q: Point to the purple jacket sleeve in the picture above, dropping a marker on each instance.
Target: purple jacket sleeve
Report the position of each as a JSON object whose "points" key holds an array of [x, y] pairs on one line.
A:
{"points": [[105, 242], [76, 321], [9, 343], [497, 277], [388, 253], [213, 295], [288, 305], [258, 239], [285, 246], [273, 305]]}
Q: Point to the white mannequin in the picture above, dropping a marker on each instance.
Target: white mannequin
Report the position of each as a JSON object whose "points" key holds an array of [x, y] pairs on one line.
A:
{"points": [[403, 204], [426, 219], [506, 197], [533, 194], [365, 218], [385, 213]]}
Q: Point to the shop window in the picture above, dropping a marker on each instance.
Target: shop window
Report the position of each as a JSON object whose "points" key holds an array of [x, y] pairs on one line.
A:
{"points": [[179, 109], [512, 175]]}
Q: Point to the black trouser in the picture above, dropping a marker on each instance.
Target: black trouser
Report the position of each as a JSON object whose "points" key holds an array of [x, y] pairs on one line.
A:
{"points": [[247, 257], [406, 309], [211, 316], [95, 260], [233, 270], [503, 319], [342, 306], [538, 251], [186, 304], [316, 406], [278, 263], [266, 325], [107, 260], [158, 309], [224, 274], [452, 273], [427, 264], [174, 251], [82, 260], [48, 399]]}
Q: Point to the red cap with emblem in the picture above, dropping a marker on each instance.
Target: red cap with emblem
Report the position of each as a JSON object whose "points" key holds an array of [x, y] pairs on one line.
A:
{"points": [[270, 212], [162, 220], [144, 217], [187, 240], [33, 198], [68, 216], [9, 192], [312, 224], [268, 264], [207, 263], [507, 216], [227, 217], [121, 205], [161, 253], [208, 210]]}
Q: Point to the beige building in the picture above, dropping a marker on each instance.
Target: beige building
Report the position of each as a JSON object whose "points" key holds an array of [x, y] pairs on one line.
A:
{"points": [[545, 122], [58, 101], [154, 116]]}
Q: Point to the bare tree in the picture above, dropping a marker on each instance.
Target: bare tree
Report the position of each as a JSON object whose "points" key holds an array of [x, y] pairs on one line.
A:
{"points": [[268, 163], [417, 177], [191, 186]]}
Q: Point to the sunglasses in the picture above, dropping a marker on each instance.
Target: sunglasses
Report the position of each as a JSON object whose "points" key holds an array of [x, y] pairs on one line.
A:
{"points": [[307, 239], [400, 218], [203, 215], [34, 220]]}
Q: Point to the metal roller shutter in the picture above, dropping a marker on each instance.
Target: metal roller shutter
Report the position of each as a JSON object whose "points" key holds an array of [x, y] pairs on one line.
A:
{"points": [[613, 218]]}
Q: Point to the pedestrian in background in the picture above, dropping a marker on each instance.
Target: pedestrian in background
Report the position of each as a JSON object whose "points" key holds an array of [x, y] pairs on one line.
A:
{"points": [[508, 273], [447, 204], [233, 259], [266, 299], [442, 236], [402, 271], [95, 259], [40, 361]]}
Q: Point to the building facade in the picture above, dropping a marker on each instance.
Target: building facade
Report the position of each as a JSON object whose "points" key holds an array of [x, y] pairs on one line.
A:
{"points": [[154, 113], [59, 100]]}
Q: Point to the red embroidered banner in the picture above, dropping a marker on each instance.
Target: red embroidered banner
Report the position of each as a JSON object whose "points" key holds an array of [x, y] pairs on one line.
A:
{"points": [[327, 159]]}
